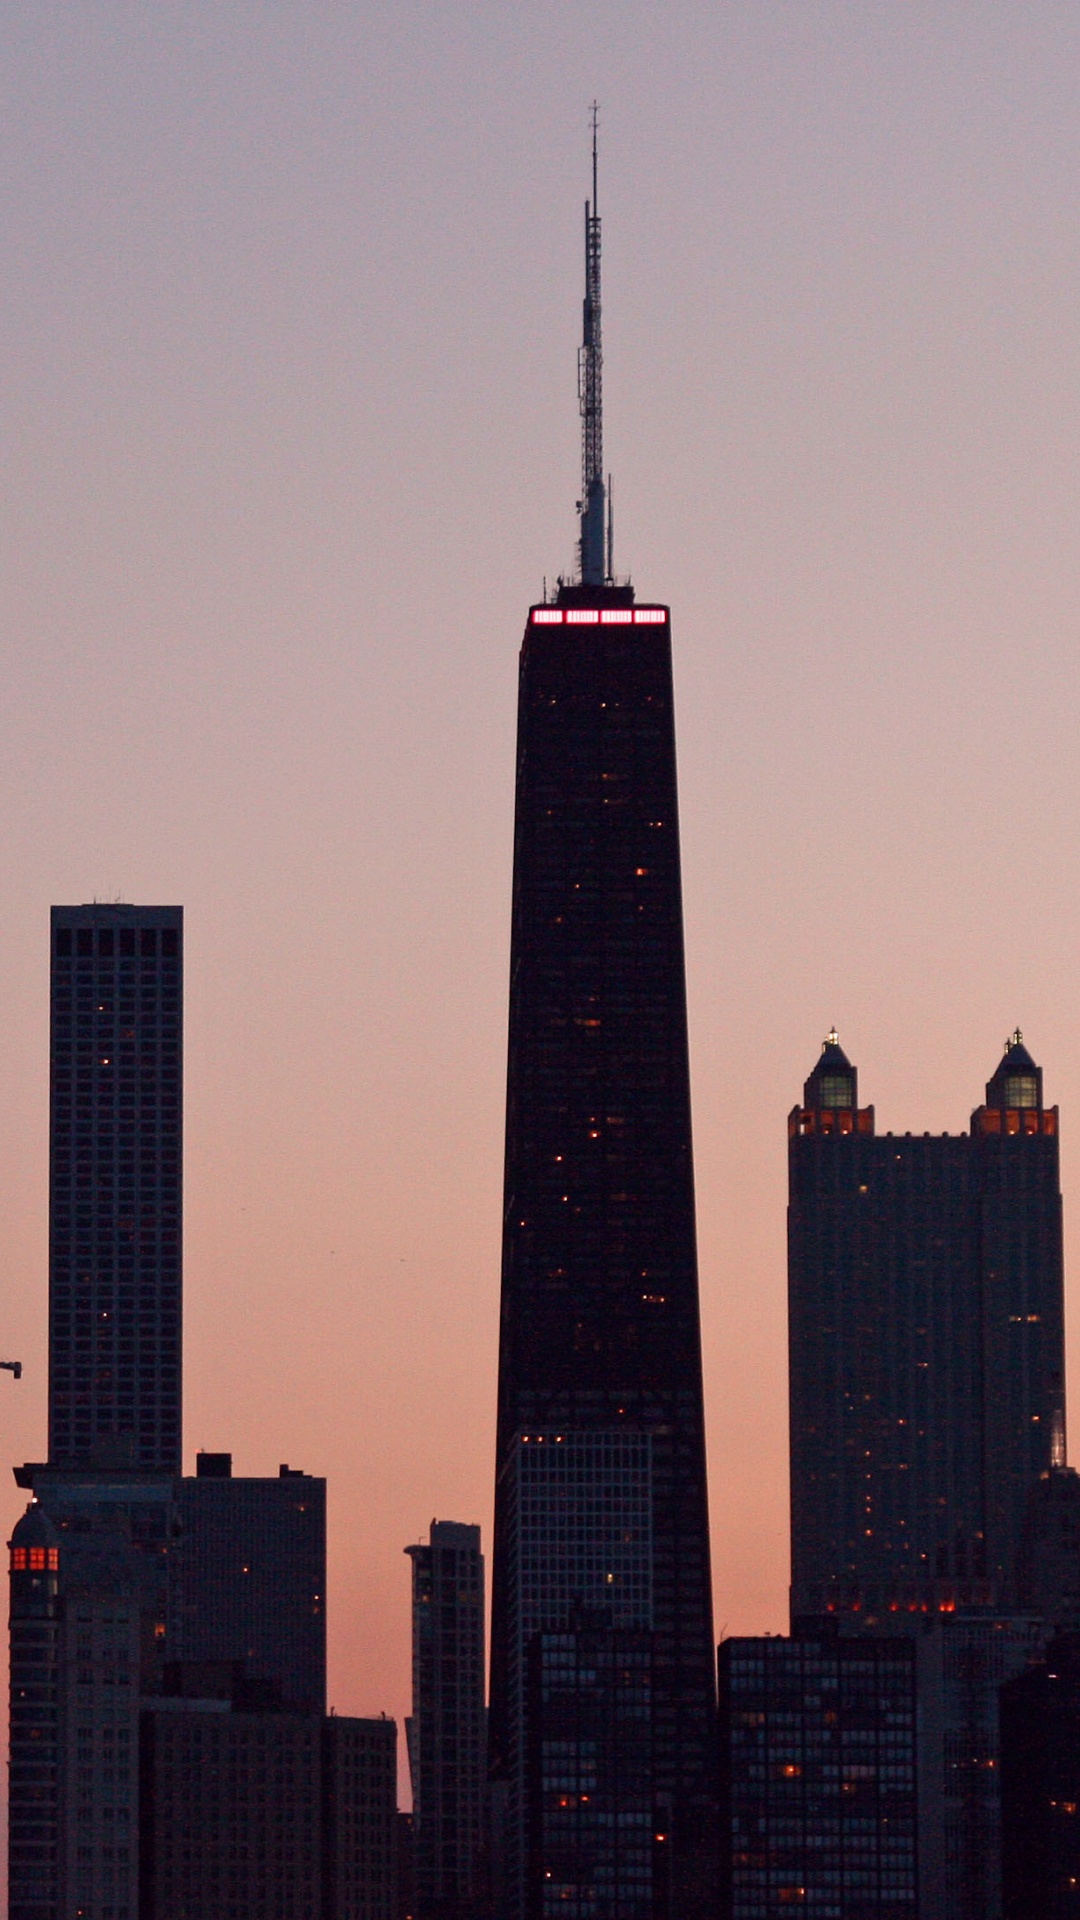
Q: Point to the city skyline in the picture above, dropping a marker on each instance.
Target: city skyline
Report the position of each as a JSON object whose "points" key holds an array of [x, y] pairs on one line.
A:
{"points": [[228, 688]]}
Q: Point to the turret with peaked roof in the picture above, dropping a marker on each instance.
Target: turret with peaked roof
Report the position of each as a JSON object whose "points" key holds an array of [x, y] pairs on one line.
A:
{"points": [[833, 1081], [831, 1095], [1017, 1082]]}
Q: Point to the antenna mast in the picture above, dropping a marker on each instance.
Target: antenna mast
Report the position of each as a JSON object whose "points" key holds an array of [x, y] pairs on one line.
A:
{"points": [[594, 561]]}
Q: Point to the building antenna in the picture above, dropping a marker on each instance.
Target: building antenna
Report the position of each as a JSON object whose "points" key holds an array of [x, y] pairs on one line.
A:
{"points": [[592, 507]]}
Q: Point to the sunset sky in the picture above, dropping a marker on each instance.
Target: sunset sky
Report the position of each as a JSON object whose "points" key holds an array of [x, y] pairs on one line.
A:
{"points": [[289, 327]]}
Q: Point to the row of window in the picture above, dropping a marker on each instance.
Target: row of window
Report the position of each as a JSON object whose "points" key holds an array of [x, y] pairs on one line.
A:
{"points": [[35, 1559], [111, 941]]}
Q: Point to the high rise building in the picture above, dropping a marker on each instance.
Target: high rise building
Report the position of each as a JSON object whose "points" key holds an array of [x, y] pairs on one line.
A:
{"points": [[114, 1385], [926, 1344], [248, 1811], [594, 1842], [446, 1733], [35, 1732], [136, 1591], [1049, 1576], [80, 1657], [818, 1765], [1040, 1787], [964, 1659], [115, 1188], [231, 1813], [247, 1576], [600, 1471], [360, 1819]]}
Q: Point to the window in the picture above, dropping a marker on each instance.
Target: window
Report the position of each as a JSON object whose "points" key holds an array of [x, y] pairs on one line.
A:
{"points": [[1021, 1090], [836, 1090]]}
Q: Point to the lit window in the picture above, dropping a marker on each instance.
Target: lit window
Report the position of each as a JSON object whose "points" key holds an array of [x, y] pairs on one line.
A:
{"points": [[616, 616], [650, 616], [547, 616], [836, 1090], [582, 616], [1021, 1090]]}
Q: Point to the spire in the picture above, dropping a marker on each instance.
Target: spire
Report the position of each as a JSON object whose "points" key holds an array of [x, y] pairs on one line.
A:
{"points": [[595, 562]]}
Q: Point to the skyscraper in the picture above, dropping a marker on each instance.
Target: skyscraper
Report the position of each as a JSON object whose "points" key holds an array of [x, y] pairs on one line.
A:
{"points": [[818, 1765], [115, 1187], [79, 1657], [1040, 1786], [35, 1726], [130, 1585], [247, 1576], [447, 1728], [591, 1809], [114, 1388], [247, 1811], [926, 1344], [600, 1471]]}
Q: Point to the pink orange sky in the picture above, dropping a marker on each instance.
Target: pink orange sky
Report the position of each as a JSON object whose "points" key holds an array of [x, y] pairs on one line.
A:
{"points": [[289, 330]]}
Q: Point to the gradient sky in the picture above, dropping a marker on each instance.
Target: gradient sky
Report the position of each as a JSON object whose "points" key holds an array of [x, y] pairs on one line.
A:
{"points": [[289, 322]]}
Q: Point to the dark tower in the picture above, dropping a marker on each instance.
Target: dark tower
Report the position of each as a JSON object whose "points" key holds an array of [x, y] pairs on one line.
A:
{"points": [[34, 1775], [926, 1344], [600, 1488], [247, 1577], [1040, 1787], [114, 1204], [446, 1732]]}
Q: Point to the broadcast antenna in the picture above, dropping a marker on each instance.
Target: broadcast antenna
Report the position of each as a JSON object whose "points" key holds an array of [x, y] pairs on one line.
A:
{"points": [[595, 536]]}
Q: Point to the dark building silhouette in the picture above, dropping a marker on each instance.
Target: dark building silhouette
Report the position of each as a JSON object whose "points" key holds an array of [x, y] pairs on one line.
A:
{"points": [[963, 1660], [598, 1839], [115, 1187], [114, 1378], [926, 1344], [360, 1820], [447, 1757], [600, 1397], [1049, 1581], [248, 1811], [247, 1808], [247, 1576], [231, 1812], [169, 1752], [406, 1874], [103, 1666], [818, 1771], [78, 1615], [1040, 1787], [34, 1723]]}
